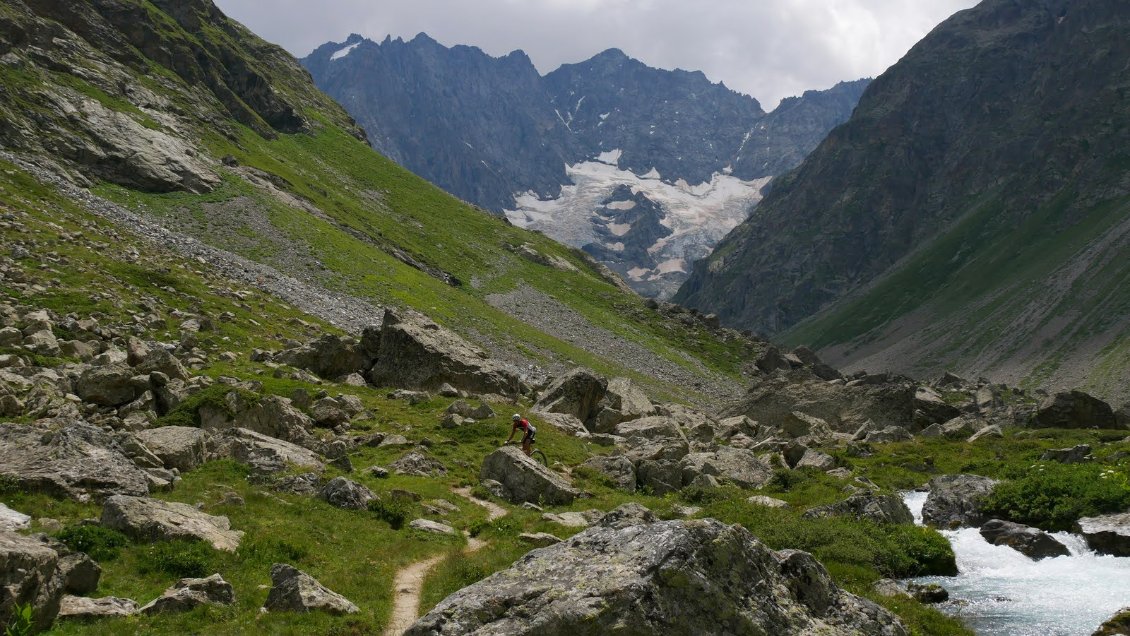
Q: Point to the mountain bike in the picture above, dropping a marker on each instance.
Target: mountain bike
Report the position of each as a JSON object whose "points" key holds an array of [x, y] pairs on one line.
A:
{"points": [[535, 453]]}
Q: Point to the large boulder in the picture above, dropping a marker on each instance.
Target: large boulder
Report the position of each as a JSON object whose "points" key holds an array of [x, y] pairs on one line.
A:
{"points": [[955, 501], [262, 453], [772, 399], [735, 465], [108, 385], [292, 590], [1117, 625], [416, 353], [28, 576], [525, 480], [68, 458], [1074, 455], [1074, 409], [86, 609], [577, 393], [629, 574], [180, 447], [270, 415], [333, 356], [344, 493], [189, 594], [147, 519], [866, 505], [1030, 542], [1107, 534]]}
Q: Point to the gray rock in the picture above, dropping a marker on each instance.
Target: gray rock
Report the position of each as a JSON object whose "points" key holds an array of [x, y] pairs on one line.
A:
{"points": [[523, 479], [461, 408], [993, 431], [928, 592], [813, 458], [82, 608], [653, 577], [11, 520], [451, 420], [79, 572], [331, 356], [955, 501], [418, 464], [28, 577], [1106, 534], [180, 447], [1030, 542], [189, 594], [573, 519], [659, 476], [109, 385], [270, 415], [650, 428], [306, 484], [68, 458], [735, 465], [1117, 625], [1074, 409], [567, 424], [866, 505], [483, 412], [417, 353], [888, 434], [328, 413], [292, 590], [618, 469], [162, 361], [1075, 455], [628, 399], [889, 588], [262, 453], [147, 519], [539, 539], [767, 502], [577, 393], [344, 493], [433, 527]]}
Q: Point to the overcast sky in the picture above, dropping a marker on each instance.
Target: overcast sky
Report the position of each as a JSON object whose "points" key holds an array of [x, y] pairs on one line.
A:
{"points": [[766, 48]]}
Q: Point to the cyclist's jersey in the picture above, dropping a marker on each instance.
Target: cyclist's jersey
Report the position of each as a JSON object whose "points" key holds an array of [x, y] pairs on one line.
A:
{"points": [[523, 424]]}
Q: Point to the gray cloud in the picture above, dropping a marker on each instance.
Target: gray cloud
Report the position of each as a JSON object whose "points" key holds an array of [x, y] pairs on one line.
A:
{"points": [[767, 48]]}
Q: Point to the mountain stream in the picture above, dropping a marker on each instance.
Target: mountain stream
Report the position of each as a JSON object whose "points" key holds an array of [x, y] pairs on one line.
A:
{"points": [[1001, 592]]}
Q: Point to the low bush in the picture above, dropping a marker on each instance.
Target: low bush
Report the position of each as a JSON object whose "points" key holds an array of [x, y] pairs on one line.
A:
{"points": [[180, 558], [1054, 496], [392, 511], [100, 544]]}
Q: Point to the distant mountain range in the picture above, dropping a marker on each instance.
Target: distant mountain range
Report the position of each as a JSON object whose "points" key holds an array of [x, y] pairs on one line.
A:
{"points": [[646, 169], [973, 214]]}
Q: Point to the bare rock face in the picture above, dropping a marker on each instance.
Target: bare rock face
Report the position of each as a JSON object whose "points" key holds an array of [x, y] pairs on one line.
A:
{"points": [[1074, 409], [188, 594], [180, 447], [1030, 542], [292, 590], [525, 480], [1108, 534], [632, 574], [866, 505], [68, 458], [416, 353], [155, 520], [28, 576], [954, 501]]}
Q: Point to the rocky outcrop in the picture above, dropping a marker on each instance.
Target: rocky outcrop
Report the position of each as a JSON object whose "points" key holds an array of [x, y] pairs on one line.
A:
{"points": [[189, 594], [68, 458], [1074, 409], [525, 480], [955, 501], [28, 577], [866, 505], [1106, 534], [1028, 541], [416, 353], [653, 576], [292, 590], [147, 519]]}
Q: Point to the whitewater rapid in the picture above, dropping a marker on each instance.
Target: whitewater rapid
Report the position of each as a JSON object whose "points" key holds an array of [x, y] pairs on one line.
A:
{"points": [[999, 591]]}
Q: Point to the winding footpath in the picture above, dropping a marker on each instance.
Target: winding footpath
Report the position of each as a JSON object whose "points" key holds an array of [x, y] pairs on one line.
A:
{"points": [[409, 581]]}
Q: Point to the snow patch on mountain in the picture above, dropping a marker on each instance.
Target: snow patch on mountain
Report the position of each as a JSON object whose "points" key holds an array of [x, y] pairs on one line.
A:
{"points": [[340, 53], [698, 216]]}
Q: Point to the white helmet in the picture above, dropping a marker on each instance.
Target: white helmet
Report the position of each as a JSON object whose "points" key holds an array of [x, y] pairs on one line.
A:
{"points": [[516, 417]]}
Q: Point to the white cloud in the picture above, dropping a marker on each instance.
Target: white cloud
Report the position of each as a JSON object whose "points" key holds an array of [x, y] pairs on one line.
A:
{"points": [[767, 48]]}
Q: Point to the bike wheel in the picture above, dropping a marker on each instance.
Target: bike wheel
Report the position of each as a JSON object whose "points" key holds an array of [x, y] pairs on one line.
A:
{"points": [[539, 457]]}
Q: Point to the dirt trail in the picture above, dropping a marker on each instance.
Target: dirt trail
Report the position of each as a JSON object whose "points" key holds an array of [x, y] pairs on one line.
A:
{"points": [[409, 581]]}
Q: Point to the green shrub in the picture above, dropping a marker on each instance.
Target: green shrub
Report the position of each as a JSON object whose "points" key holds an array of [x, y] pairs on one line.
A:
{"points": [[917, 551], [181, 558], [394, 512], [21, 623], [101, 544], [271, 550], [1053, 496]]}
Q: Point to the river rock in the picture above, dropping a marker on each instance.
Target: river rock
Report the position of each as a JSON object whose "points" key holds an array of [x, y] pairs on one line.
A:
{"points": [[1074, 409], [1117, 625], [866, 505], [189, 594], [28, 576], [523, 479], [82, 608], [147, 519], [292, 590], [68, 458], [180, 447], [416, 353], [955, 501], [928, 593], [1107, 534], [652, 577], [1030, 542], [345, 493]]}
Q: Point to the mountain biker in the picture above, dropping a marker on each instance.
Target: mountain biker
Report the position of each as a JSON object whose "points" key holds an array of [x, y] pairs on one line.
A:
{"points": [[522, 424]]}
